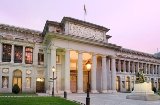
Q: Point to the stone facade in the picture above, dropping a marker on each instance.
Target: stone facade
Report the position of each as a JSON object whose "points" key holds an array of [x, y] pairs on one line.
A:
{"points": [[68, 45]]}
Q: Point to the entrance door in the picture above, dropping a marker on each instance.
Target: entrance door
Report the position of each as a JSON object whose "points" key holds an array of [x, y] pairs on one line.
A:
{"points": [[17, 78], [85, 81], [40, 85], [17, 81], [73, 84]]}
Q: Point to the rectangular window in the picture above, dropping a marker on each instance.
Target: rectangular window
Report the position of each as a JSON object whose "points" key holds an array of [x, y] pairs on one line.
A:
{"points": [[18, 52], [28, 55], [6, 57], [40, 58]]}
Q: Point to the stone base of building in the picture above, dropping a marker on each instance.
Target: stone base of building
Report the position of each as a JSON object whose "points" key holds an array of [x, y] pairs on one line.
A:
{"points": [[147, 97], [94, 91], [80, 91], [142, 91], [112, 91]]}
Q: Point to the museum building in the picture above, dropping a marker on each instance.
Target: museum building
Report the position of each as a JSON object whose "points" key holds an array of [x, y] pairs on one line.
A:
{"points": [[28, 56]]}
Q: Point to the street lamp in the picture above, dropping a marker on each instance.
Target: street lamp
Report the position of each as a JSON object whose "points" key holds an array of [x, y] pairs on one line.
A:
{"points": [[53, 69], [88, 65]]}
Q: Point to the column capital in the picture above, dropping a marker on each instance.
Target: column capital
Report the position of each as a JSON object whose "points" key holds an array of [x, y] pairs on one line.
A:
{"points": [[67, 49], [53, 47], [104, 56], [79, 52], [112, 57]]}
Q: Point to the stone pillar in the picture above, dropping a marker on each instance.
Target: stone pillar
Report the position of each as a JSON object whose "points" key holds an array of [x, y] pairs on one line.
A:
{"points": [[128, 66], [149, 69], [53, 63], [108, 74], [23, 56], [67, 71], [159, 70], [124, 66], [104, 75], [141, 65], [119, 65], [133, 67], [152, 69], [80, 72], [137, 67], [12, 54], [0, 52], [113, 72], [156, 69], [145, 68], [93, 74], [47, 78]]}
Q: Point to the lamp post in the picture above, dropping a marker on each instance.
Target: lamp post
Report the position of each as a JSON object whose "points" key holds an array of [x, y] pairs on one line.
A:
{"points": [[88, 65], [53, 69]]}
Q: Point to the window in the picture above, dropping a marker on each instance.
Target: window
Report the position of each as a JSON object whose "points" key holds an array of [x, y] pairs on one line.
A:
{"points": [[6, 57], [28, 55], [40, 58], [28, 82], [18, 54]]}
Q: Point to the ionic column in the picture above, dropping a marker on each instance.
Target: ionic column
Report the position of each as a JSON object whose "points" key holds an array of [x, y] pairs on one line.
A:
{"points": [[155, 69], [113, 74], [152, 69], [119, 65], [133, 67], [128, 66], [53, 63], [93, 74], [141, 65], [124, 66], [80, 73], [0, 52], [137, 67], [67, 71], [12, 54], [104, 75], [145, 68], [23, 56], [148, 68]]}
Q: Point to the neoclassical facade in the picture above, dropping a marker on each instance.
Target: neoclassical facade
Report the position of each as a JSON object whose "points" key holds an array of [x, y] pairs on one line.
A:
{"points": [[27, 57]]}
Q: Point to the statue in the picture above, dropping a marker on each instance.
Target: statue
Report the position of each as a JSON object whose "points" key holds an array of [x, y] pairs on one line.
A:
{"points": [[5, 83], [140, 78], [27, 83]]}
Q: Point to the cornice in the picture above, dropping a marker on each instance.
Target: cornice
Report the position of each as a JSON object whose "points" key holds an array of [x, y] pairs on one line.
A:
{"points": [[9, 28], [79, 39]]}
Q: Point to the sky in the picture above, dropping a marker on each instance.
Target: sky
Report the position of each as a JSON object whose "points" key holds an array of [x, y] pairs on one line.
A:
{"points": [[133, 24]]}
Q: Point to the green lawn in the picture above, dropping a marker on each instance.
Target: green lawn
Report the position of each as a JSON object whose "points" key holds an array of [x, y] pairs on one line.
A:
{"points": [[19, 94], [35, 101]]}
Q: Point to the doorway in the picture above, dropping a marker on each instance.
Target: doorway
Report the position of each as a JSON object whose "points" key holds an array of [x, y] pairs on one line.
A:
{"points": [[40, 85], [17, 78]]}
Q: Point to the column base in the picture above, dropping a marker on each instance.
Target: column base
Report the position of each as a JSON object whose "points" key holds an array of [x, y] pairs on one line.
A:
{"points": [[80, 91], [94, 91], [112, 91], [104, 91]]}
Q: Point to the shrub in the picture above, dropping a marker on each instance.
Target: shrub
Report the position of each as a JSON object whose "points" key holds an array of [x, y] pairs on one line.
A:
{"points": [[15, 89], [154, 89]]}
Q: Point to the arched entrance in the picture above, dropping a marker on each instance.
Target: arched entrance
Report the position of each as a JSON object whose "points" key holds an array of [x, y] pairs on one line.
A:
{"points": [[118, 83], [128, 84], [17, 78]]}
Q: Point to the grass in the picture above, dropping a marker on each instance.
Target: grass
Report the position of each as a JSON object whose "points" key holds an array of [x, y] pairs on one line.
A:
{"points": [[35, 101]]}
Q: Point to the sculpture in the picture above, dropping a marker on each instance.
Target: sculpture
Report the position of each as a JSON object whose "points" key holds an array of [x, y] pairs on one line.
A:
{"points": [[5, 83], [140, 78]]}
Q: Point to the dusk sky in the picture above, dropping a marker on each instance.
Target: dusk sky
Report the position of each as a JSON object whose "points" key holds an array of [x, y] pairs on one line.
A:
{"points": [[133, 24]]}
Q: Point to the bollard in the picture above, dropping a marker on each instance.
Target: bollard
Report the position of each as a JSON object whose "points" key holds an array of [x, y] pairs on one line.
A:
{"points": [[65, 94]]}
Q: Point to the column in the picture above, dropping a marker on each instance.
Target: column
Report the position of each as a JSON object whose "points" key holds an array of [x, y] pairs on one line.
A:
{"points": [[155, 70], [93, 74], [67, 71], [137, 67], [148, 68], [145, 68], [141, 65], [108, 73], [129, 66], [133, 67], [53, 63], [80, 73], [159, 70], [0, 52], [12, 54], [124, 66], [47, 78], [23, 58], [119, 65], [113, 74], [104, 75], [152, 69]]}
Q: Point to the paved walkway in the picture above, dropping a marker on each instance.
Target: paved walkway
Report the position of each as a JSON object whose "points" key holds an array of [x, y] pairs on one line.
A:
{"points": [[109, 99]]}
